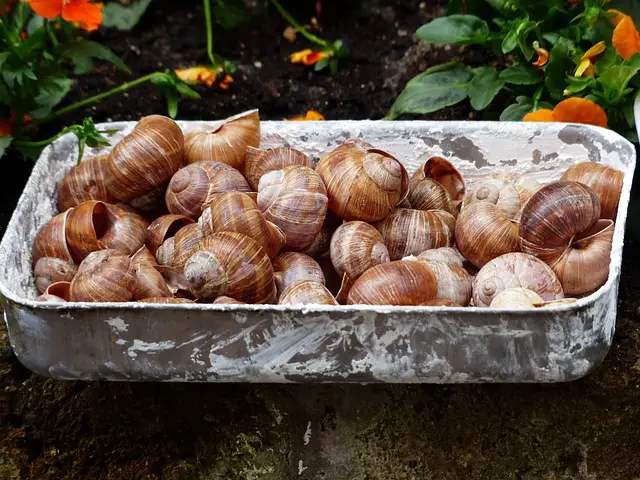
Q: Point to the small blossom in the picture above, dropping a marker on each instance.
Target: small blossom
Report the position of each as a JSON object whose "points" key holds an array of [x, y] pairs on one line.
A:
{"points": [[200, 75], [626, 38], [226, 82], [87, 15], [307, 56], [310, 115], [543, 55], [571, 110], [587, 65]]}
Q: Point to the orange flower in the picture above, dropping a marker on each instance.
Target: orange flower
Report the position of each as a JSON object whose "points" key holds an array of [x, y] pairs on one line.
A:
{"points": [[198, 75], [626, 38], [586, 66], [226, 82], [543, 55], [86, 14], [571, 110], [307, 56], [310, 115]]}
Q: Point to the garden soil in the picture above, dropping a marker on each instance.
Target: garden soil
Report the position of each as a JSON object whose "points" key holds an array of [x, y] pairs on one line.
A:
{"points": [[588, 429]]}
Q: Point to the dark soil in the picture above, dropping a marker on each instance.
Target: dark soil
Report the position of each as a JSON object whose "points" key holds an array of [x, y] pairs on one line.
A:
{"points": [[587, 429]]}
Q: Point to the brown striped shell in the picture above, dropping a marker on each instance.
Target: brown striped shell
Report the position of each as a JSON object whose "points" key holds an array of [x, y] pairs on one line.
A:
{"points": [[484, 232], [502, 194], [49, 270], [526, 185], [515, 270], [395, 283], [175, 251], [233, 265], [104, 276], [51, 240], [146, 158], [237, 212], [454, 283], [363, 183], [163, 228], [259, 162], [447, 255], [307, 293], [166, 300], [436, 185], [84, 181], [410, 232], [605, 181], [225, 141], [196, 185], [58, 292], [291, 268], [125, 230], [295, 199]]}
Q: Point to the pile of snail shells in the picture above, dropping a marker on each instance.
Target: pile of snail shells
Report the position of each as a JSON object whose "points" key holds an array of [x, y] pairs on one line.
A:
{"points": [[209, 216]]}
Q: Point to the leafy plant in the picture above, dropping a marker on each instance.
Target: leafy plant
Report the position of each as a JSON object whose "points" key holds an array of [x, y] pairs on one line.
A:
{"points": [[555, 49]]}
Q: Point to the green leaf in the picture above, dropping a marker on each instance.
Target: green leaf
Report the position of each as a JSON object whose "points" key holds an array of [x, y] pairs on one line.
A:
{"points": [[460, 29], [485, 85], [443, 67], [172, 103], [81, 52], [628, 113], [333, 65], [559, 65], [123, 17], [429, 92], [510, 42], [578, 84], [615, 79], [324, 62], [52, 91], [230, 13], [34, 24], [520, 74], [516, 111], [4, 144], [523, 31]]}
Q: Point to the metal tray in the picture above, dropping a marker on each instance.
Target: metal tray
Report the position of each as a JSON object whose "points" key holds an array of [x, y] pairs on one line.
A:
{"points": [[270, 343]]}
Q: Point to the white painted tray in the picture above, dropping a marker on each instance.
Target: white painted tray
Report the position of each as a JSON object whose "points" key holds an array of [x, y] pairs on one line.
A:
{"points": [[271, 343]]}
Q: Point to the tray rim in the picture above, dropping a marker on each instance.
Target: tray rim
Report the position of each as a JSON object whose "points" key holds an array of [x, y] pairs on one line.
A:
{"points": [[614, 265]]}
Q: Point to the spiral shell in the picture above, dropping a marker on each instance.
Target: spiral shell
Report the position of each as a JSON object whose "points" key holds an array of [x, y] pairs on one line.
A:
{"points": [[56, 292], [149, 283], [454, 283], [237, 212], [225, 141], [395, 283], [526, 185], [322, 242], [605, 181], [125, 230], [515, 270], [436, 185], [145, 159], [443, 172], [51, 240], [85, 226], [447, 255], [306, 293], [411, 232], [84, 181], [175, 251], [104, 276], [439, 303], [228, 301], [165, 300], [363, 183], [292, 268], [197, 184], [49, 270], [233, 265], [259, 162], [163, 228], [484, 232], [143, 255], [151, 203], [498, 192], [295, 199], [517, 298]]}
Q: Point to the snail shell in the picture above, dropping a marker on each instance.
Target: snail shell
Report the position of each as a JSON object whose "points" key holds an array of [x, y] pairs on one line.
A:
{"points": [[84, 181], [233, 265], [162, 228], [502, 194], [436, 185], [306, 293], [448, 255], [151, 203], [49, 270], [517, 298], [225, 141], [560, 226], [259, 162], [292, 268], [605, 181], [143, 255], [85, 226], [195, 185], [51, 240], [295, 199], [356, 247], [228, 300], [125, 230], [175, 251], [410, 232], [484, 232], [526, 185], [56, 292], [363, 183], [237, 212], [515, 270], [440, 303], [149, 283], [165, 300], [454, 283], [145, 159], [395, 283], [104, 276], [322, 242]]}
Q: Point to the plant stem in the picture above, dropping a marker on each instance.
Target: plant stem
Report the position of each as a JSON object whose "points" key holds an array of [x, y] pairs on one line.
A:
{"points": [[96, 98], [207, 19], [41, 143], [305, 33], [51, 34]]}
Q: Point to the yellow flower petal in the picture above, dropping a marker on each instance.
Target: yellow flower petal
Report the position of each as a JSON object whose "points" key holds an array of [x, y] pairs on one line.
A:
{"points": [[300, 57], [583, 67], [594, 51]]}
